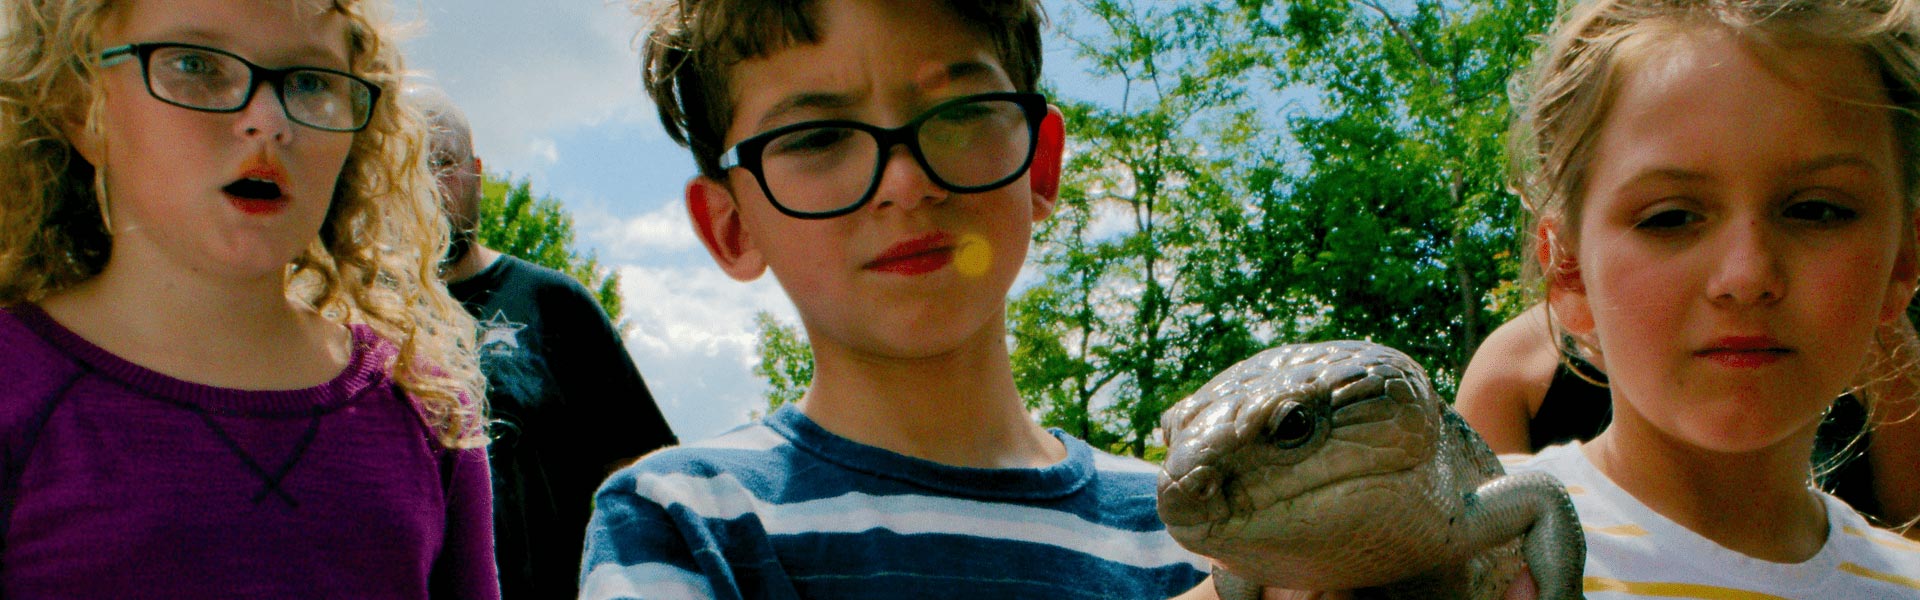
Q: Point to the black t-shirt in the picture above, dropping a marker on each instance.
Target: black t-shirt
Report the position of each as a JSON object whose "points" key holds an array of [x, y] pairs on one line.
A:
{"points": [[567, 407], [1574, 408]]}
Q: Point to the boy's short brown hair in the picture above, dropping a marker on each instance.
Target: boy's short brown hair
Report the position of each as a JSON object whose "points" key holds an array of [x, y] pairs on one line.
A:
{"points": [[691, 44]]}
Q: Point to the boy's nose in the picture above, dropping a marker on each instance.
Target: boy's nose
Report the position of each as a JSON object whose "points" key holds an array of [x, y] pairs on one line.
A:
{"points": [[904, 183], [1747, 271]]}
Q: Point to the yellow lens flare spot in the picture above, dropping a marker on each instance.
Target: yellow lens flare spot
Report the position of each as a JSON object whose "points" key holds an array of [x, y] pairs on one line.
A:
{"points": [[973, 255]]}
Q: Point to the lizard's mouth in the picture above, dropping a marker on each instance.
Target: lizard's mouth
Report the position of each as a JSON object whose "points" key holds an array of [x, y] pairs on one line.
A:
{"points": [[1209, 494], [1237, 516]]}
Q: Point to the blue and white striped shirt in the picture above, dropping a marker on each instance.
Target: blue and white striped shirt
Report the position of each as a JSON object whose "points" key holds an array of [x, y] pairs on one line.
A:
{"points": [[785, 509]]}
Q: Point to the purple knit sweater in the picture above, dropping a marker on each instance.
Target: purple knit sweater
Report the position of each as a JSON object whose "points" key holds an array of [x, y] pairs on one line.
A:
{"points": [[121, 482]]}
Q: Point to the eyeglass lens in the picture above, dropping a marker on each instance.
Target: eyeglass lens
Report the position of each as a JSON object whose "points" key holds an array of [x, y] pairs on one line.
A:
{"points": [[966, 146], [209, 80]]}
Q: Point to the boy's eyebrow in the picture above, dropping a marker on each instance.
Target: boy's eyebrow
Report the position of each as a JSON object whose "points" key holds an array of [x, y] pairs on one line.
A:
{"points": [[824, 100], [805, 100], [961, 70]]}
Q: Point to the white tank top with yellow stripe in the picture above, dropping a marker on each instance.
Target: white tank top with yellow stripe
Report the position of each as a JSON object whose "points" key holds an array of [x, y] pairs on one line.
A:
{"points": [[1633, 552]]}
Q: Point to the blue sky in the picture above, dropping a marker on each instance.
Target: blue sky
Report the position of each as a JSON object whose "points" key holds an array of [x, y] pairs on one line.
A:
{"points": [[553, 92]]}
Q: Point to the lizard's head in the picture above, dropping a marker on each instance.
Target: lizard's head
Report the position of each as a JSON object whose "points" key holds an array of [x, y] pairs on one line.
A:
{"points": [[1296, 447]]}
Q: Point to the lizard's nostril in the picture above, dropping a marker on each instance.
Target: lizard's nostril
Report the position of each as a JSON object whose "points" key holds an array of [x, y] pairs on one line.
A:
{"points": [[1290, 427]]}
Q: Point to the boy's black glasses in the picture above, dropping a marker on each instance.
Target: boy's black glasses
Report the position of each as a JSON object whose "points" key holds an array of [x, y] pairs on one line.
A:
{"points": [[213, 80], [824, 169]]}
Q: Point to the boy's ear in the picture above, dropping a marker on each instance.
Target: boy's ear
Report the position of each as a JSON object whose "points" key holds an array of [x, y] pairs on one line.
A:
{"points": [[1906, 267], [1566, 292], [716, 219], [1044, 174]]}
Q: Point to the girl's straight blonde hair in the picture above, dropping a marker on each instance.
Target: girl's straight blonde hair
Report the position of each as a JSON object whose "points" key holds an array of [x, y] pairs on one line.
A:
{"points": [[1564, 99]]}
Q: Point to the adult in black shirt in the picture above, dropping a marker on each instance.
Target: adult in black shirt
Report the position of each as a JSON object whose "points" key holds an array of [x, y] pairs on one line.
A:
{"points": [[568, 406]]}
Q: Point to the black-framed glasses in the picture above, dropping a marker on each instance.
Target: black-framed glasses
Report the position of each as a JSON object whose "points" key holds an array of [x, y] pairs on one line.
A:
{"points": [[214, 80], [824, 169]]}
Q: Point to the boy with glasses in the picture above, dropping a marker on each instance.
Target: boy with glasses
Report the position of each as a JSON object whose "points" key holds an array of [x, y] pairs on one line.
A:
{"points": [[887, 160]]}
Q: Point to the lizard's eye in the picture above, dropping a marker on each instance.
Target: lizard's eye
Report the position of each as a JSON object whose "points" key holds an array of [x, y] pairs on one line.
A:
{"points": [[1290, 427]]}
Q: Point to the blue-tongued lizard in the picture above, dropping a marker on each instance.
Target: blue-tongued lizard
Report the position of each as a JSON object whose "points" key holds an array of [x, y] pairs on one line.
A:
{"points": [[1335, 466]]}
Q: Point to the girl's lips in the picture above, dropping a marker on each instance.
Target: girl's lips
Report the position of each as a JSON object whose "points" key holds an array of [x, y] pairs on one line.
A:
{"points": [[265, 174], [260, 189], [924, 254], [1744, 359], [257, 207], [264, 168], [1743, 352]]}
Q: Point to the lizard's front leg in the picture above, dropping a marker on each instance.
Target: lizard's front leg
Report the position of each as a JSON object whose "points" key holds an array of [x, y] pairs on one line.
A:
{"points": [[1535, 505]]}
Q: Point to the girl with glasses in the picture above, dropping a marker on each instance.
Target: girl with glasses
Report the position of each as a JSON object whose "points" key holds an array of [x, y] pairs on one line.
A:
{"points": [[226, 365]]}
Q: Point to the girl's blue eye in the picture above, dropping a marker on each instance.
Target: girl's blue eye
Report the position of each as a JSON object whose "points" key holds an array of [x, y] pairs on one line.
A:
{"points": [[305, 82], [192, 64]]}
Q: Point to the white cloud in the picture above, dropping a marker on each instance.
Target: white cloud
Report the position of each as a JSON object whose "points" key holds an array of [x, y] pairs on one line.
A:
{"points": [[553, 87], [692, 335], [524, 71], [642, 237], [545, 150]]}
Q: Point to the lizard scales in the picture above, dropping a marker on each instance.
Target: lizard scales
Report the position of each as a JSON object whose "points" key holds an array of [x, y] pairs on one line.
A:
{"points": [[1335, 466]]}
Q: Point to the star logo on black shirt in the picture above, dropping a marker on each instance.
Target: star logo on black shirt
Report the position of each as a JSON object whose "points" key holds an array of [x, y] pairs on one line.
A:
{"points": [[499, 335]]}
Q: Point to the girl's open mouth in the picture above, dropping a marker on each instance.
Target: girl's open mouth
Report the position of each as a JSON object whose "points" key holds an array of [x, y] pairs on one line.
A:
{"points": [[255, 196]]}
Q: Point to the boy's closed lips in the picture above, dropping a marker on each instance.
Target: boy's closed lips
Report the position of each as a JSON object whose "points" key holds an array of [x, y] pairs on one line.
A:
{"points": [[917, 256]]}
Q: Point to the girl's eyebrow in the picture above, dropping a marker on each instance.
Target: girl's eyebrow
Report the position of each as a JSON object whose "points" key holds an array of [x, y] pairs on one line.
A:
{"points": [[188, 34], [1667, 175], [300, 55], [1842, 160], [1835, 161]]}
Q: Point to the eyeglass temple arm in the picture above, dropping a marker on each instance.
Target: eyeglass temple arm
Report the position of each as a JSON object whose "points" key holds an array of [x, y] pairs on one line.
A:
{"points": [[116, 55], [730, 158]]}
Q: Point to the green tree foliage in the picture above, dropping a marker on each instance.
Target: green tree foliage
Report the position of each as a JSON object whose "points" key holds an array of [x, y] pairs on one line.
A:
{"points": [[1396, 224], [1274, 173], [1139, 304], [785, 360], [540, 231]]}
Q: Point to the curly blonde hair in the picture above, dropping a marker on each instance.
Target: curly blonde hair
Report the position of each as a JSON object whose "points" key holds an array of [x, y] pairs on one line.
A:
{"points": [[375, 261]]}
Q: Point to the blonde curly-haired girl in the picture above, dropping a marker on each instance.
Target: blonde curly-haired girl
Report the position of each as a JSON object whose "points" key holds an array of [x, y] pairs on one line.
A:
{"points": [[226, 365]]}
